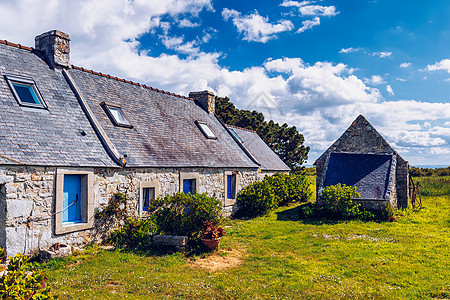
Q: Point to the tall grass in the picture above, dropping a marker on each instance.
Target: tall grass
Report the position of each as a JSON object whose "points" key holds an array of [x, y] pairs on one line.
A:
{"points": [[434, 186]]}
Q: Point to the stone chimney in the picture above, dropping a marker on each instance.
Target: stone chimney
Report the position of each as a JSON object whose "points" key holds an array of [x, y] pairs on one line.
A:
{"points": [[207, 100], [56, 47]]}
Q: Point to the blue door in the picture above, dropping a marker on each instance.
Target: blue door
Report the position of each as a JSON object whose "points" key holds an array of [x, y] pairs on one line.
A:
{"points": [[72, 198]]}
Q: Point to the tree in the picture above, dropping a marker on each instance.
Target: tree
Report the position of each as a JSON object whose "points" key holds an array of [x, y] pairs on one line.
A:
{"points": [[285, 141]]}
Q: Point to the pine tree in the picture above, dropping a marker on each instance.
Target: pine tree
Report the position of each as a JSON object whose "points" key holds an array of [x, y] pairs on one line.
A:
{"points": [[285, 141]]}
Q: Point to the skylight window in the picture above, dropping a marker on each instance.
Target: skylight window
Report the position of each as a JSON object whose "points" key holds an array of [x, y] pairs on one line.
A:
{"points": [[206, 130], [116, 114], [25, 91], [235, 134]]}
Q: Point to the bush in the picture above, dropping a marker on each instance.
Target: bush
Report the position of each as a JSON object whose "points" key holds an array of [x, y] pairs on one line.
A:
{"points": [[185, 214], [261, 197], [338, 199], [257, 199], [133, 234], [338, 204], [19, 283], [289, 188]]}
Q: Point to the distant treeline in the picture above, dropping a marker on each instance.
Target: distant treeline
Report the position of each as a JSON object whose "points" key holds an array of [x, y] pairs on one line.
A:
{"points": [[423, 172]]}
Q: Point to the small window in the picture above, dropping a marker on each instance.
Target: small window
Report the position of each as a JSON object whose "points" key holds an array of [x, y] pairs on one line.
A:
{"points": [[236, 135], [148, 194], [148, 191], [25, 91], [189, 186], [206, 130], [116, 114], [74, 201]]}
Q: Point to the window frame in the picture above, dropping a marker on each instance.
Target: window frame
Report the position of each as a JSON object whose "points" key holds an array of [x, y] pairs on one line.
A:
{"points": [[189, 175], [234, 133], [11, 79], [86, 200], [143, 185], [107, 106], [200, 124], [231, 201]]}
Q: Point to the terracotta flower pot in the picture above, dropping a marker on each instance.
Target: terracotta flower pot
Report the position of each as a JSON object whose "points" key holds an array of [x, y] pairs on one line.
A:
{"points": [[211, 243]]}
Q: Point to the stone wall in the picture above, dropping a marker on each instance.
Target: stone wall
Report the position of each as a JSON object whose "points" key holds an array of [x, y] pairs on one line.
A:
{"points": [[402, 182], [27, 199]]}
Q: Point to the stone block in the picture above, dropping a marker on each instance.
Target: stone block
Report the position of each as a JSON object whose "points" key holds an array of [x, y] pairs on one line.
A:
{"points": [[6, 179], [15, 240], [18, 208], [177, 241], [54, 252]]}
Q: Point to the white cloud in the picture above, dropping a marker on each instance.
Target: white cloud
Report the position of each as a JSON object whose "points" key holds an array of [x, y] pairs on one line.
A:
{"points": [[255, 27], [187, 23], [374, 80], [306, 9], [308, 24], [441, 65], [178, 44], [349, 50], [400, 79], [381, 54], [390, 90], [405, 65]]}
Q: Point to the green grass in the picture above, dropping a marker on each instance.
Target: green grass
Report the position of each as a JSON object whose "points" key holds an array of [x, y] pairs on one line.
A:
{"points": [[282, 259], [434, 186]]}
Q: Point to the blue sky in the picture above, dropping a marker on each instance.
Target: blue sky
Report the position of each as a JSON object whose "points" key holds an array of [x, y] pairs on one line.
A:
{"points": [[313, 64]]}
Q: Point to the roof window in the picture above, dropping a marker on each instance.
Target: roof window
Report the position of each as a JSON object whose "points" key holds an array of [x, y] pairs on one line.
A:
{"points": [[235, 135], [25, 91], [206, 130], [116, 114]]}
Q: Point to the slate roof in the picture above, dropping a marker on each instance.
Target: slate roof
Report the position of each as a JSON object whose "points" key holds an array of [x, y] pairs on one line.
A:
{"points": [[259, 150], [368, 172], [45, 137], [164, 132], [360, 137]]}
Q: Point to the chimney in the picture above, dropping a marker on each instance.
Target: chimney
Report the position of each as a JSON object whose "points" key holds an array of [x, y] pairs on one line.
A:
{"points": [[207, 100], [56, 47]]}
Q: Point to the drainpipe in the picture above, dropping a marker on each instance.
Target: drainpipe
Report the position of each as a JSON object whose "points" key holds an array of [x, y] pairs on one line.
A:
{"points": [[107, 144]]}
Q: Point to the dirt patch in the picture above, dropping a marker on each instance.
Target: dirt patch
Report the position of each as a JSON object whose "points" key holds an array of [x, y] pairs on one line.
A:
{"points": [[221, 260]]}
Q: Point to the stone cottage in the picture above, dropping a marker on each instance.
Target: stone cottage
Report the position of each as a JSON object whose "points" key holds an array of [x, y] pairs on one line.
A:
{"points": [[361, 157], [70, 138]]}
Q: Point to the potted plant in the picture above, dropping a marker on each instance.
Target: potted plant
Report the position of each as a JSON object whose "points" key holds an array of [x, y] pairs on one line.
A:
{"points": [[211, 235]]}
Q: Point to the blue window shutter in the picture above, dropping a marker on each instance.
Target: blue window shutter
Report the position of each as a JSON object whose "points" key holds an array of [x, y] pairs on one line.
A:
{"points": [[189, 186], [229, 186], [145, 198], [186, 186], [72, 198]]}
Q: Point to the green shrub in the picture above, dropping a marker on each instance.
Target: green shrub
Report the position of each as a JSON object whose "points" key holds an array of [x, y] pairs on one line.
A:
{"points": [[337, 203], [133, 234], [261, 197], [185, 214], [257, 199], [289, 188], [19, 283], [338, 199]]}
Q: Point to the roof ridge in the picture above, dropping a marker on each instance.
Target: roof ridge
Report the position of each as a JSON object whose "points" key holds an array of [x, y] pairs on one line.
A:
{"points": [[130, 82], [234, 126], [5, 42]]}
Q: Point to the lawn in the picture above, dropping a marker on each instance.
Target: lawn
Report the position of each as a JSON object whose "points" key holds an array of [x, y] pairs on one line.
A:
{"points": [[278, 257]]}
